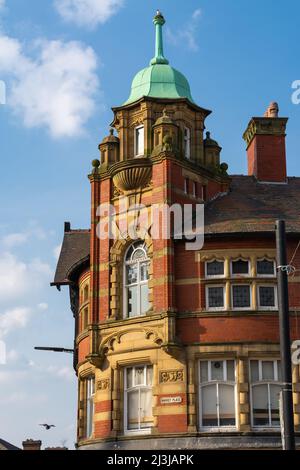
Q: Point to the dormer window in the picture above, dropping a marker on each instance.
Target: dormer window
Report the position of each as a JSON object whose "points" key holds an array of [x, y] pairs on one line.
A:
{"points": [[139, 146], [187, 143]]}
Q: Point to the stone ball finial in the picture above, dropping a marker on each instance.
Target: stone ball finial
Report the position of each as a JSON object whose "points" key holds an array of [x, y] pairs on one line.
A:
{"points": [[95, 163], [208, 135], [111, 131], [273, 110]]}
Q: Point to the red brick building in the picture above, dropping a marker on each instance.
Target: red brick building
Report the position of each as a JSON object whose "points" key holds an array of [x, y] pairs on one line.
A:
{"points": [[177, 347]]}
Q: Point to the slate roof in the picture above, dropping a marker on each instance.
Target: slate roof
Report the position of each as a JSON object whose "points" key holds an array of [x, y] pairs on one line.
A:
{"points": [[4, 445], [251, 206], [75, 250]]}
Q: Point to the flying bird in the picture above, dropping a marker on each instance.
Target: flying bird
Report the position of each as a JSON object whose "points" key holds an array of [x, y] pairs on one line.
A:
{"points": [[47, 426]]}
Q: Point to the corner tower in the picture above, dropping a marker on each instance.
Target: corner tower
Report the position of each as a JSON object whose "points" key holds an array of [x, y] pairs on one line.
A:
{"points": [[135, 378]]}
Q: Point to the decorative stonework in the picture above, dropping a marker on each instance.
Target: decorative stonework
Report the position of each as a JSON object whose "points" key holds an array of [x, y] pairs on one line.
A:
{"points": [[171, 376], [131, 175], [103, 384], [264, 126]]}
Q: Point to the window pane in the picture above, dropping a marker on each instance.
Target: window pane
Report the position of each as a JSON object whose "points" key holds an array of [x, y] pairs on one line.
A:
{"points": [[144, 271], [230, 371], [144, 298], [204, 371], [139, 376], [266, 296], [279, 371], [133, 409], [209, 405], [241, 296], [274, 397], [240, 267], [217, 372], [254, 371], [215, 297], [267, 370], [215, 268], [149, 375], [140, 141], [146, 408], [265, 267], [132, 307], [138, 254], [227, 405], [129, 376], [260, 405], [132, 274]]}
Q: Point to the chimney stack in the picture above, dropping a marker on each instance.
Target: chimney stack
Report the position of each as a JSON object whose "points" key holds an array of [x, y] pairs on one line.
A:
{"points": [[31, 444], [265, 138]]}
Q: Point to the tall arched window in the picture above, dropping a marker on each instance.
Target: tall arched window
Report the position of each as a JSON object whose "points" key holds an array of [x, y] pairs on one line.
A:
{"points": [[136, 276]]}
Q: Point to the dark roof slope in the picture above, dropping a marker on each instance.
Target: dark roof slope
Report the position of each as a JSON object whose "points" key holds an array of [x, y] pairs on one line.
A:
{"points": [[75, 250], [4, 445], [251, 206]]}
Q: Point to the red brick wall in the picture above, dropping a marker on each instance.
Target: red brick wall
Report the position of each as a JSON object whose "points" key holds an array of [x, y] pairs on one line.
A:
{"points": [[267, 158], [231, 329], [83, 349], [172, 423]]}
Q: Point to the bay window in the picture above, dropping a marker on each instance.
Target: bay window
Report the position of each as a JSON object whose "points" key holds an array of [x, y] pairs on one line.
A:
{"points": [[217, 394], [138, 416]]}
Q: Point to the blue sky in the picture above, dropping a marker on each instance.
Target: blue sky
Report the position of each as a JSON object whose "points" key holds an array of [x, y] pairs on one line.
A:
{"points": [[64, 68]]}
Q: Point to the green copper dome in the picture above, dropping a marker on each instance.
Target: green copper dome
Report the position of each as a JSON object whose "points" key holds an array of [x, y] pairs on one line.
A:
{"points": [[159, 80]]}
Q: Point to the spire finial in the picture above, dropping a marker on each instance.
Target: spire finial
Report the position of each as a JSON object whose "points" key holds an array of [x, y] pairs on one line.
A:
{"points": [[159, 58]]}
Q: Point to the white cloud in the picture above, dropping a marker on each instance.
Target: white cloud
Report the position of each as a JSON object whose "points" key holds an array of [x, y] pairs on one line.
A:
{"points": [[12, 319], [55, 88], [88, 13], [20, 238], [56, 251], [14, 239], [17, 277], [186, 35], [43, 306]]}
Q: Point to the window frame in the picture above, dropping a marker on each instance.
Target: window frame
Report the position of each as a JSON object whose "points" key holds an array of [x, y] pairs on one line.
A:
{"points": [[187, 142], [215, 276], [136, 129], [141, 431], [218, 309], [139, 283], [250, 291], [89, 406], [262, 381], [240, 276], [217, 383], [261, 307], [186, 185], [271, 276]]}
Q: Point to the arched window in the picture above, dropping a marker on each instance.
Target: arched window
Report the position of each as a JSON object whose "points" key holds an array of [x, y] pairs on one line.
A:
{"points": [[136, 276]]}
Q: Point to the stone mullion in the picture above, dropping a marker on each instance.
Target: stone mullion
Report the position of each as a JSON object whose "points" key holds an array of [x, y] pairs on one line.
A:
{"points": [[81, 409], [191, 397], [296, 396], [243, 394], [116, 400], [114, 290]]}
